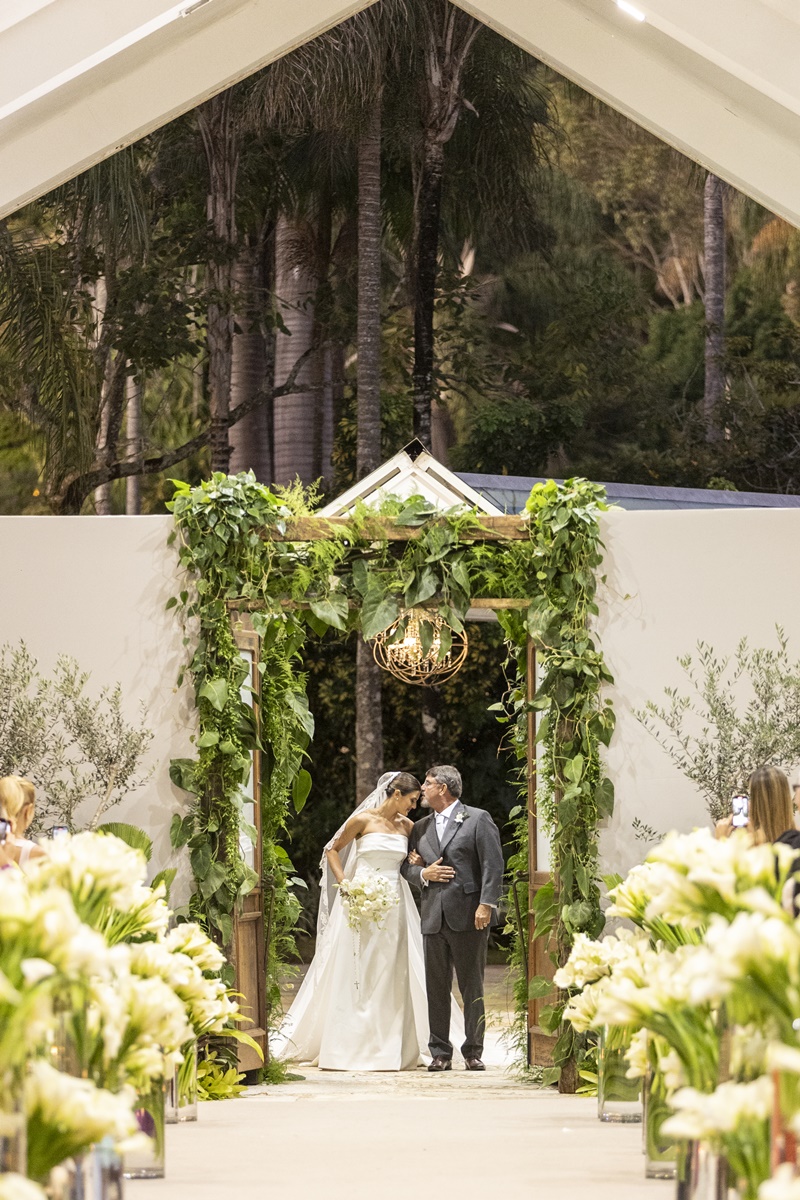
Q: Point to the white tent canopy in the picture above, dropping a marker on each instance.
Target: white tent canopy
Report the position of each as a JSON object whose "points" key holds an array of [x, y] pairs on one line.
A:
{"points": [[718, 79]]}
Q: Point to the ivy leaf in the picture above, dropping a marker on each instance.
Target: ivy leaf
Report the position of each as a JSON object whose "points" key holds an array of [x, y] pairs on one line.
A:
{"points": [[573, 768], [423, 586], [213, 880], [360, 577], [300, 789], [298, 703], [208, 739], [180, 830], [445, 642], [425, 637], [167, 877], [333, 611], [539, 987], [378, 612], [182, 774], [215, 691], [550, 1017], [550, 1075], [201, 861], [604, 798]]}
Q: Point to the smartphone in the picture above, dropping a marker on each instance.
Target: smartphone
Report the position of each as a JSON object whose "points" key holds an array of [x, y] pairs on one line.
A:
{"points": [[740, 807], [5, 830]]}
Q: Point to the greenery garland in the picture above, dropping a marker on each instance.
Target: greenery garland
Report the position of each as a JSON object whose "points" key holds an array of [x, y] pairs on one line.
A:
{"points": [[359, 579]]}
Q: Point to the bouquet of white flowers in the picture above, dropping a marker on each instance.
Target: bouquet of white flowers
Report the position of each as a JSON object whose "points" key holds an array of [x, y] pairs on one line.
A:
{"points": [[367, 900], [66, 1115]]}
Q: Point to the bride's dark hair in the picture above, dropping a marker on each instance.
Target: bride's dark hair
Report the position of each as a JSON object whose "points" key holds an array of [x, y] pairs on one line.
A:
{"points": [[404, 783]]}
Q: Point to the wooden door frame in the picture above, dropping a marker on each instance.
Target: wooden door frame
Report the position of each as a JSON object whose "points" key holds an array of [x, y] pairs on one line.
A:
{"points": [[251, 911]]}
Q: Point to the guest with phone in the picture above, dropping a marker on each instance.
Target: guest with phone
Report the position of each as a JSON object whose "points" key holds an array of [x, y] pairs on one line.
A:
{"points": [[766, 812], [17, 806]]}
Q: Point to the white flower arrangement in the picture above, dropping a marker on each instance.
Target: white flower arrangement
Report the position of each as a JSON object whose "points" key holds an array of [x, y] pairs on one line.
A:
{"points": [[17, 1187], [189, 939], [590, 960], [709, 1116], [368, 899], [66, 1115], [784, 1185]]}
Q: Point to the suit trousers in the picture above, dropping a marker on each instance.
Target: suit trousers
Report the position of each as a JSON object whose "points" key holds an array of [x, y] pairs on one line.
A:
{"points": [[464, 950]]}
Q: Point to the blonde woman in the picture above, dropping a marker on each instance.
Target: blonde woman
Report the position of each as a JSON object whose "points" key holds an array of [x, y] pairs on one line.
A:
{"points": [[770, 810], [18, 805]]}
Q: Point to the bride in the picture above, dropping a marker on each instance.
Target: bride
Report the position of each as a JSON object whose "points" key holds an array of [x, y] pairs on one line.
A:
{"points": [[362, 1004]]}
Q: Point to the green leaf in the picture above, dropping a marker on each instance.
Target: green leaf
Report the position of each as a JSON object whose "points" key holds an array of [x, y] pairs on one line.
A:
{"points": [[378, 612], [361, 579], [201, 860], [550, 1075], [298, 703], [182, 773], [425, 637], [207, 739], [173, 600], [573, 769], [540, 987], [215, 691], [132, 835], [300, 789], [550, 1017], [167, 877], [423, 586], [604, 798], [213, 880], [333, 611]]}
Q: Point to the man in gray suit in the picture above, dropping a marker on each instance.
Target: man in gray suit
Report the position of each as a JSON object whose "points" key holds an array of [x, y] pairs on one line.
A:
{"points": [[457, 864]]}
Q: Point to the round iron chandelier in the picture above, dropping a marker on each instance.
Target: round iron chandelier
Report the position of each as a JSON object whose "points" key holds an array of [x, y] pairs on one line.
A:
{"points": [[420, 648]]}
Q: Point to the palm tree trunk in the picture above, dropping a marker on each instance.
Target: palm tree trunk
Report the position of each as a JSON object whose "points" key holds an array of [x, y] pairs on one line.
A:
{"points": [[369, 676], [368, 370], [250, 438], [714, 273], [217, 127], [369, 721], [133, 430], [295, 289], [450, 36], [426, 253]]}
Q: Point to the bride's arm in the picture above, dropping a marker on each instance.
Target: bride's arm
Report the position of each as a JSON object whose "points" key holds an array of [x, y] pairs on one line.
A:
{"points": [[352, 829]]}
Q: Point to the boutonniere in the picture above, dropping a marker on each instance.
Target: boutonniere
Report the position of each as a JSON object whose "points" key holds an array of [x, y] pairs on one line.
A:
{"points": [[461, 817]]}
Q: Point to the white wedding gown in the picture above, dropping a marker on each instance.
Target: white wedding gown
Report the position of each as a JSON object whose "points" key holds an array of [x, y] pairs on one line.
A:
{"points": [[362, 1004]]}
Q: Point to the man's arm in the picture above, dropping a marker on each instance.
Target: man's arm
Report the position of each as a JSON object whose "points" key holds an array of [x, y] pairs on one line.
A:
{"points": [[409, 873], [490, 856]]}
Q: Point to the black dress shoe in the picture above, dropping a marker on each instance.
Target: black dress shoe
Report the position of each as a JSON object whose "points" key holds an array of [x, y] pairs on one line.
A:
{"points": [[473, 1064], [440, 1064]]}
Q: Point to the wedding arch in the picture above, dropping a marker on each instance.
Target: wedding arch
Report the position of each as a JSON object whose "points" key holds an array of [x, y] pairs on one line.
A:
{"points": [[264, 571]]}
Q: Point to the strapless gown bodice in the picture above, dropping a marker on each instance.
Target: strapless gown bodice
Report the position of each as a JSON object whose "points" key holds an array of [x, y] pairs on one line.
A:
{"points": [[383, 853]]}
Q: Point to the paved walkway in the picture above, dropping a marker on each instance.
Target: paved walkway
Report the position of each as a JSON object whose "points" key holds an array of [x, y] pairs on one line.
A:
{"points": [[408, 1135], [458, 1136]]}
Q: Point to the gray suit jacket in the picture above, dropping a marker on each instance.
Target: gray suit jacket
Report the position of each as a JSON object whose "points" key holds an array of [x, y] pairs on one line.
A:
{"points": [[471, 845]]}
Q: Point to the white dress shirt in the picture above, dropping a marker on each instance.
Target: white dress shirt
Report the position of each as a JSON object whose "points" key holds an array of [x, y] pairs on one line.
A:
{"points": [[441, 819]]}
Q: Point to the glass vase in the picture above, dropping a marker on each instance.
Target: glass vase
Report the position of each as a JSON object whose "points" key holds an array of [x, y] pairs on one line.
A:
{"points": [[186, 1083], [619, 1099], [181, 1102], [96, 1175], [660, 1152], [703, 1174], [13, 1142], [147, 1161]]}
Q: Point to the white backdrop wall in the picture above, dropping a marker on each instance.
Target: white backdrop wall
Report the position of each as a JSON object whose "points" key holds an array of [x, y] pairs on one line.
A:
{"points": [[96, 589], [673, 579]]}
